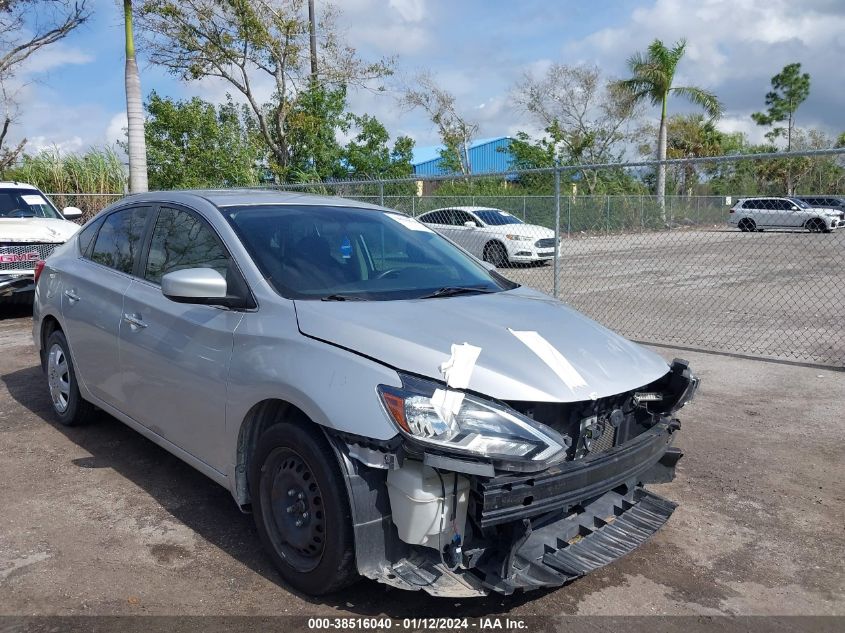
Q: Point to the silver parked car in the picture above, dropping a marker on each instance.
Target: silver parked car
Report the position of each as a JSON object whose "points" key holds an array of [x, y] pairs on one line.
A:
{"points": [[382, 402], [754, 214]]}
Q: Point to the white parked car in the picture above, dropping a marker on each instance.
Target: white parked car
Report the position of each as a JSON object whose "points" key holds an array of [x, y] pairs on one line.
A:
{"points": [[754, 214], [493, 235], [31, 227]]}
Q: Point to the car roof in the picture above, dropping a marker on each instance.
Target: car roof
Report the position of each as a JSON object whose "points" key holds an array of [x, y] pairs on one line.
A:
{"points": [[247, 197], [470, 209], [10, 184]]}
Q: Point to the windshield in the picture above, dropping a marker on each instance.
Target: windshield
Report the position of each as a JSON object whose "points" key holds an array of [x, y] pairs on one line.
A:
{"points": [[340, 253], [494, 217], [26, 203]]}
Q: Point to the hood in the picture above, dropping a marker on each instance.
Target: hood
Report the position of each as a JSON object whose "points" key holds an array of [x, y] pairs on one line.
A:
{"points": [[36, 230], [416, 336]]}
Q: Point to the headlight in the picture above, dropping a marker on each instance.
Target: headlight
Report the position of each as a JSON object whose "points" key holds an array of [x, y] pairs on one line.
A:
{"points": [[475, 427], [519, 238]]}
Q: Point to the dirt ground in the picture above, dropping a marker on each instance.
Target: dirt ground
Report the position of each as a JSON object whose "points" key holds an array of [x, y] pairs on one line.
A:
{"points": [[98, 520]]}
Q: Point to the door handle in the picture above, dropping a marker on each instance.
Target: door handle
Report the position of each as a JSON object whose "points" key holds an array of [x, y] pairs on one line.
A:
{"points": [[134, 321], [73, 298]]}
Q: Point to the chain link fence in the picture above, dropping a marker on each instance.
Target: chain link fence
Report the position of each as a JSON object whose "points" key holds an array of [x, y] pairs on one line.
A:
{"points": [[682, 270], [673, 271]]}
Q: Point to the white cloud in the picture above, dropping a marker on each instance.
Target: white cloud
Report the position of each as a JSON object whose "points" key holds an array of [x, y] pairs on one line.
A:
{"points": [[116, 129]]}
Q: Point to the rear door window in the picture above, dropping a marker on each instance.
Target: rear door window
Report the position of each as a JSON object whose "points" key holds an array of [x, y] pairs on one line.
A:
{"points": [[119, 240]]}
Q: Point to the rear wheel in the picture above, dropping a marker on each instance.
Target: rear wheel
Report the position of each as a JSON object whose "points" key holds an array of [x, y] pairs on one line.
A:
{"points": [[495, 253], [747, 225], [68, 404], [301, 509]]}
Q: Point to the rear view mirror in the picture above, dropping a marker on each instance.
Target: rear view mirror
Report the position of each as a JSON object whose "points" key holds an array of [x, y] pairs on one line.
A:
{"points": [[72, 212], [194, 285]]}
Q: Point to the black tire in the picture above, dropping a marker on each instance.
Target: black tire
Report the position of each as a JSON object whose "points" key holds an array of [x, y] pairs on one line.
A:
{"points": [[68, 405], [496, 254], [816, 225], [301, 509], [747, 225]]}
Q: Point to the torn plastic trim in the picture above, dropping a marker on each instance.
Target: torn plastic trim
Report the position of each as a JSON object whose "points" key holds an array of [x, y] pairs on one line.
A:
{"points": [[508, 498], [552, 553]]}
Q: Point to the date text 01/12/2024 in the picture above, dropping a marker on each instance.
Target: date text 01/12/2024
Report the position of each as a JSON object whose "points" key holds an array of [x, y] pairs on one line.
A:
{"points": [[416, 624]]}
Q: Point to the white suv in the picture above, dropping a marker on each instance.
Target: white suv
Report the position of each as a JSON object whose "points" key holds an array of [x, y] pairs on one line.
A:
{"points": [[493, 235], [30, 228], [754, 214]]}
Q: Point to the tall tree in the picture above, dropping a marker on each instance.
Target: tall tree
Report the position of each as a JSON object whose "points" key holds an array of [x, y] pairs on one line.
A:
{"points": [[26, 26], [136, 148], [197, 144], [247, 42], [790, 88], [652, 76], [455, 129], [368, 154], [589, 118]]}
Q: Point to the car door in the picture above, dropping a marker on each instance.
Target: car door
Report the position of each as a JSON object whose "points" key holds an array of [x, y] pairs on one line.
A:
{"points": [[468, 237], [92, 301], [794, 214], [175, 356]]}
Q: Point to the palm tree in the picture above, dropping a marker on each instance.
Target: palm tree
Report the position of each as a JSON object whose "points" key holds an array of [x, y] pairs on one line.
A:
{"points": [[134, 110], [652, 77]]}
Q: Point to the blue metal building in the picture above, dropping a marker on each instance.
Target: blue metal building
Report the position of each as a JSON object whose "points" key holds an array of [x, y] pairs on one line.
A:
{"points": [[488, 155]]}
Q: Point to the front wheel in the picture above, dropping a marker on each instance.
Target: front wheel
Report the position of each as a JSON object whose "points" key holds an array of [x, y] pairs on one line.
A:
{"points": [[301, 508], [817, 226], [495, 253]]}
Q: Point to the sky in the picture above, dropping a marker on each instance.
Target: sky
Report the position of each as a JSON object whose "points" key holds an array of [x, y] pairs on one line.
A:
{"points": [[72, 97]]}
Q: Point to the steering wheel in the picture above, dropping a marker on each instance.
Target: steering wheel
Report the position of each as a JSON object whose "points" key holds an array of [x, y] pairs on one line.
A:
{"points": [[20, 213], [388, 272]]}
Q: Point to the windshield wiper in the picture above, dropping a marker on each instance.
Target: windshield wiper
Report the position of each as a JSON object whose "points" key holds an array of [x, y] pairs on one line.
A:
{"points": [[451, 291], [339, 297]]}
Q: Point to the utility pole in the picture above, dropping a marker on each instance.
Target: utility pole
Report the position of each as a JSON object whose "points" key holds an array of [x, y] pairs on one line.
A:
{"points": [[312, 28]]}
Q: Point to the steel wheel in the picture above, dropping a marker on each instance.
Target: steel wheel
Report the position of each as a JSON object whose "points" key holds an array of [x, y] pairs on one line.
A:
{"points": [[296, 504], [58, 378], [301, 507]]}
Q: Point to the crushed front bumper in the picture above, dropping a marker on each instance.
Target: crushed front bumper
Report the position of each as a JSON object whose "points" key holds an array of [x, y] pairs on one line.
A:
{"points": [[528, 531]]}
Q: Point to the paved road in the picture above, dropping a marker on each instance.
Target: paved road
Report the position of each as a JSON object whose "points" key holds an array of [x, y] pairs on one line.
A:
{"points": [[98, 520], [775, 293]]}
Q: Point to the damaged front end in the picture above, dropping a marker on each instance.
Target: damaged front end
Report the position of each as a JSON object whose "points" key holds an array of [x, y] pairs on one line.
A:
{"points": [[550, 498]]}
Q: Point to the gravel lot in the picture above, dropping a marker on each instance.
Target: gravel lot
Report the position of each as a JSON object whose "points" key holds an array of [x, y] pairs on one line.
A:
{"points": [[774, 293], [98, 520]]}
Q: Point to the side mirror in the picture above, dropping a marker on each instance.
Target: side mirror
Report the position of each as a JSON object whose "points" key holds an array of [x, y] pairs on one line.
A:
{"points": [[72, 212], [490, 267], [794, 208], [470, 224], [194, 285]]}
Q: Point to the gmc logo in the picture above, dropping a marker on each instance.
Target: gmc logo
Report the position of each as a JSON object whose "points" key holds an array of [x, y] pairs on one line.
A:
{"points": [[14, 258]]}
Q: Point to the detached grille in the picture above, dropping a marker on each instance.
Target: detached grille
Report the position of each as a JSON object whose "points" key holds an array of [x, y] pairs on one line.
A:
{"points": [[546, 242], [17, 256]]}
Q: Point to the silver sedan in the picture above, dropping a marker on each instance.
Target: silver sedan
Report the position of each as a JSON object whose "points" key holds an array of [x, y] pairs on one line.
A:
{"points": [[382, 402]]}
